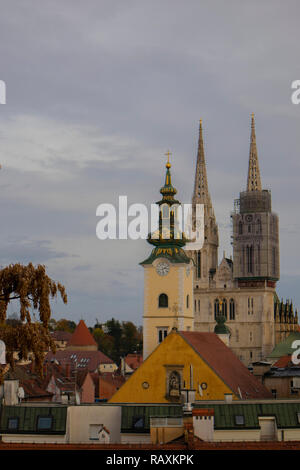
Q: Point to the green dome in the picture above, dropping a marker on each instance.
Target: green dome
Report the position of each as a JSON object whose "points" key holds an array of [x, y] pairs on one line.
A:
{"points": [[221, 328]]}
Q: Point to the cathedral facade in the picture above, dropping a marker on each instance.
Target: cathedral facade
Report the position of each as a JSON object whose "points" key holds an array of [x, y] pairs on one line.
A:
{"points": [[241, 288]]}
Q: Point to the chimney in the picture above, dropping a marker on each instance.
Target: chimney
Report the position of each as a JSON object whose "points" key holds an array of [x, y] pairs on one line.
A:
{"points": [[203, 423], [228, 397]]}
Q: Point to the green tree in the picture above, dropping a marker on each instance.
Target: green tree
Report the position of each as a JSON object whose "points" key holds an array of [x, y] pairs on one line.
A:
{"points": [[130, 338]]}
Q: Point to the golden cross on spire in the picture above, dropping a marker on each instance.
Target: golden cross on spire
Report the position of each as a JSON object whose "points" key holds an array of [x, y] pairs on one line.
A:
{"points": [[168, 164]]}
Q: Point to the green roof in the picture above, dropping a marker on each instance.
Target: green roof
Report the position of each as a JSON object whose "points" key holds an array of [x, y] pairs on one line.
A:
{"points": [[285, 347], [27, 419], [285, 413], [174, 254], [136, 418]]}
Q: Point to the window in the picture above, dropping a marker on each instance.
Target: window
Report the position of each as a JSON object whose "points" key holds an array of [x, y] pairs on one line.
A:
{"points": [[187, 301], [138, 422], [44, 423], [217, 307], [249, 254], [239, 420], [198, 264], [13, 424], [274, 392], [163, 301], [198, 305], [224, 308], [240, 228], [162, 333], [231, 309], [298, 417], [250, 305], [95, 430]]}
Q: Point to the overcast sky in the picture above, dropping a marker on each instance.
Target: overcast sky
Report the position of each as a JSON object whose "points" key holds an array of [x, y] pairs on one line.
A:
{"points": [[97, 91]]}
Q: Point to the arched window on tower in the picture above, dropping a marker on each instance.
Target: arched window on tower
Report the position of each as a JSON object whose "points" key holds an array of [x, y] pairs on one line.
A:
{"points": [[163, 301], [217, 308], [240, 228], [259, 226], [198, 264], [249, 254], [187, 301], [224, 308], [231, 309]]}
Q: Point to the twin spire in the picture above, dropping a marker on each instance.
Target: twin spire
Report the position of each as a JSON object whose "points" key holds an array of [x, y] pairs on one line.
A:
{"points": [[201, 192], [253, 181]]}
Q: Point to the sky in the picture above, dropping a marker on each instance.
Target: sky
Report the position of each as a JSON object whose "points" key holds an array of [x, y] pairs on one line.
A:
{"points": [[96, 93]]}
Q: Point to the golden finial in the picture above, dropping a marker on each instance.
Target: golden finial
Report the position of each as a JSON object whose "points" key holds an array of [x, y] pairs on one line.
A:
{"points": [[168, 164]]}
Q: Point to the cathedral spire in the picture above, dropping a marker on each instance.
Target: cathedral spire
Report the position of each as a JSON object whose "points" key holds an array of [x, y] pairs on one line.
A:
{"points": [[253, 181], [201, 193]]}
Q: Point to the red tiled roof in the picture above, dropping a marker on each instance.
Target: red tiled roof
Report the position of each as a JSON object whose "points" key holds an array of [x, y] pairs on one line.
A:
{"points": [[108, 384], [82, 336], [61, 335], [226, 364], [83, 359], [134, 360], [284, 361]]}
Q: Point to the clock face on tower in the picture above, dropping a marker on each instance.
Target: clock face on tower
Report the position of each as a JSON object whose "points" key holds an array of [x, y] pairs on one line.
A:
{"points": [[162, 268]]}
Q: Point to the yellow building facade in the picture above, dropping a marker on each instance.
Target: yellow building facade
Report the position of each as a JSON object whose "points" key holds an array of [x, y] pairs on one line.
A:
{"points": [[154, 381]]}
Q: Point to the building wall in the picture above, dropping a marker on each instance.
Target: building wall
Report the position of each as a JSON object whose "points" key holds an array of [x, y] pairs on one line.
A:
{"points": [[177, 285], [236, 435], [163, 435], [34, 438], [135, 438], [282, 385], [108, 367], [81, 417], [88, 390], [253, 330]]}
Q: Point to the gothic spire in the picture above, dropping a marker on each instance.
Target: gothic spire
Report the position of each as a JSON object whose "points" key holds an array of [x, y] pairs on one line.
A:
{"points": [[201, 193], [253, 181]]}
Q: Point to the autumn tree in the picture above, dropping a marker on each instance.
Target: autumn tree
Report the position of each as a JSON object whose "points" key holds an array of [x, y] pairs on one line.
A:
{"points": [[33, 290], [65, 325]]}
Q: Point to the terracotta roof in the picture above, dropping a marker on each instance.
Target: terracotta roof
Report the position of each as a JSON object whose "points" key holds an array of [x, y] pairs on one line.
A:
{"points": [[226, 364], [134, 360], [61, 335], [33, 385], [108, 384], [284, 361], [82, 336], [82, 359]]}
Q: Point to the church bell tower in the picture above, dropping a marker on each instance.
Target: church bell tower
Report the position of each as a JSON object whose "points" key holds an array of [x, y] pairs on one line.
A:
{"points": [[168, 274]]}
